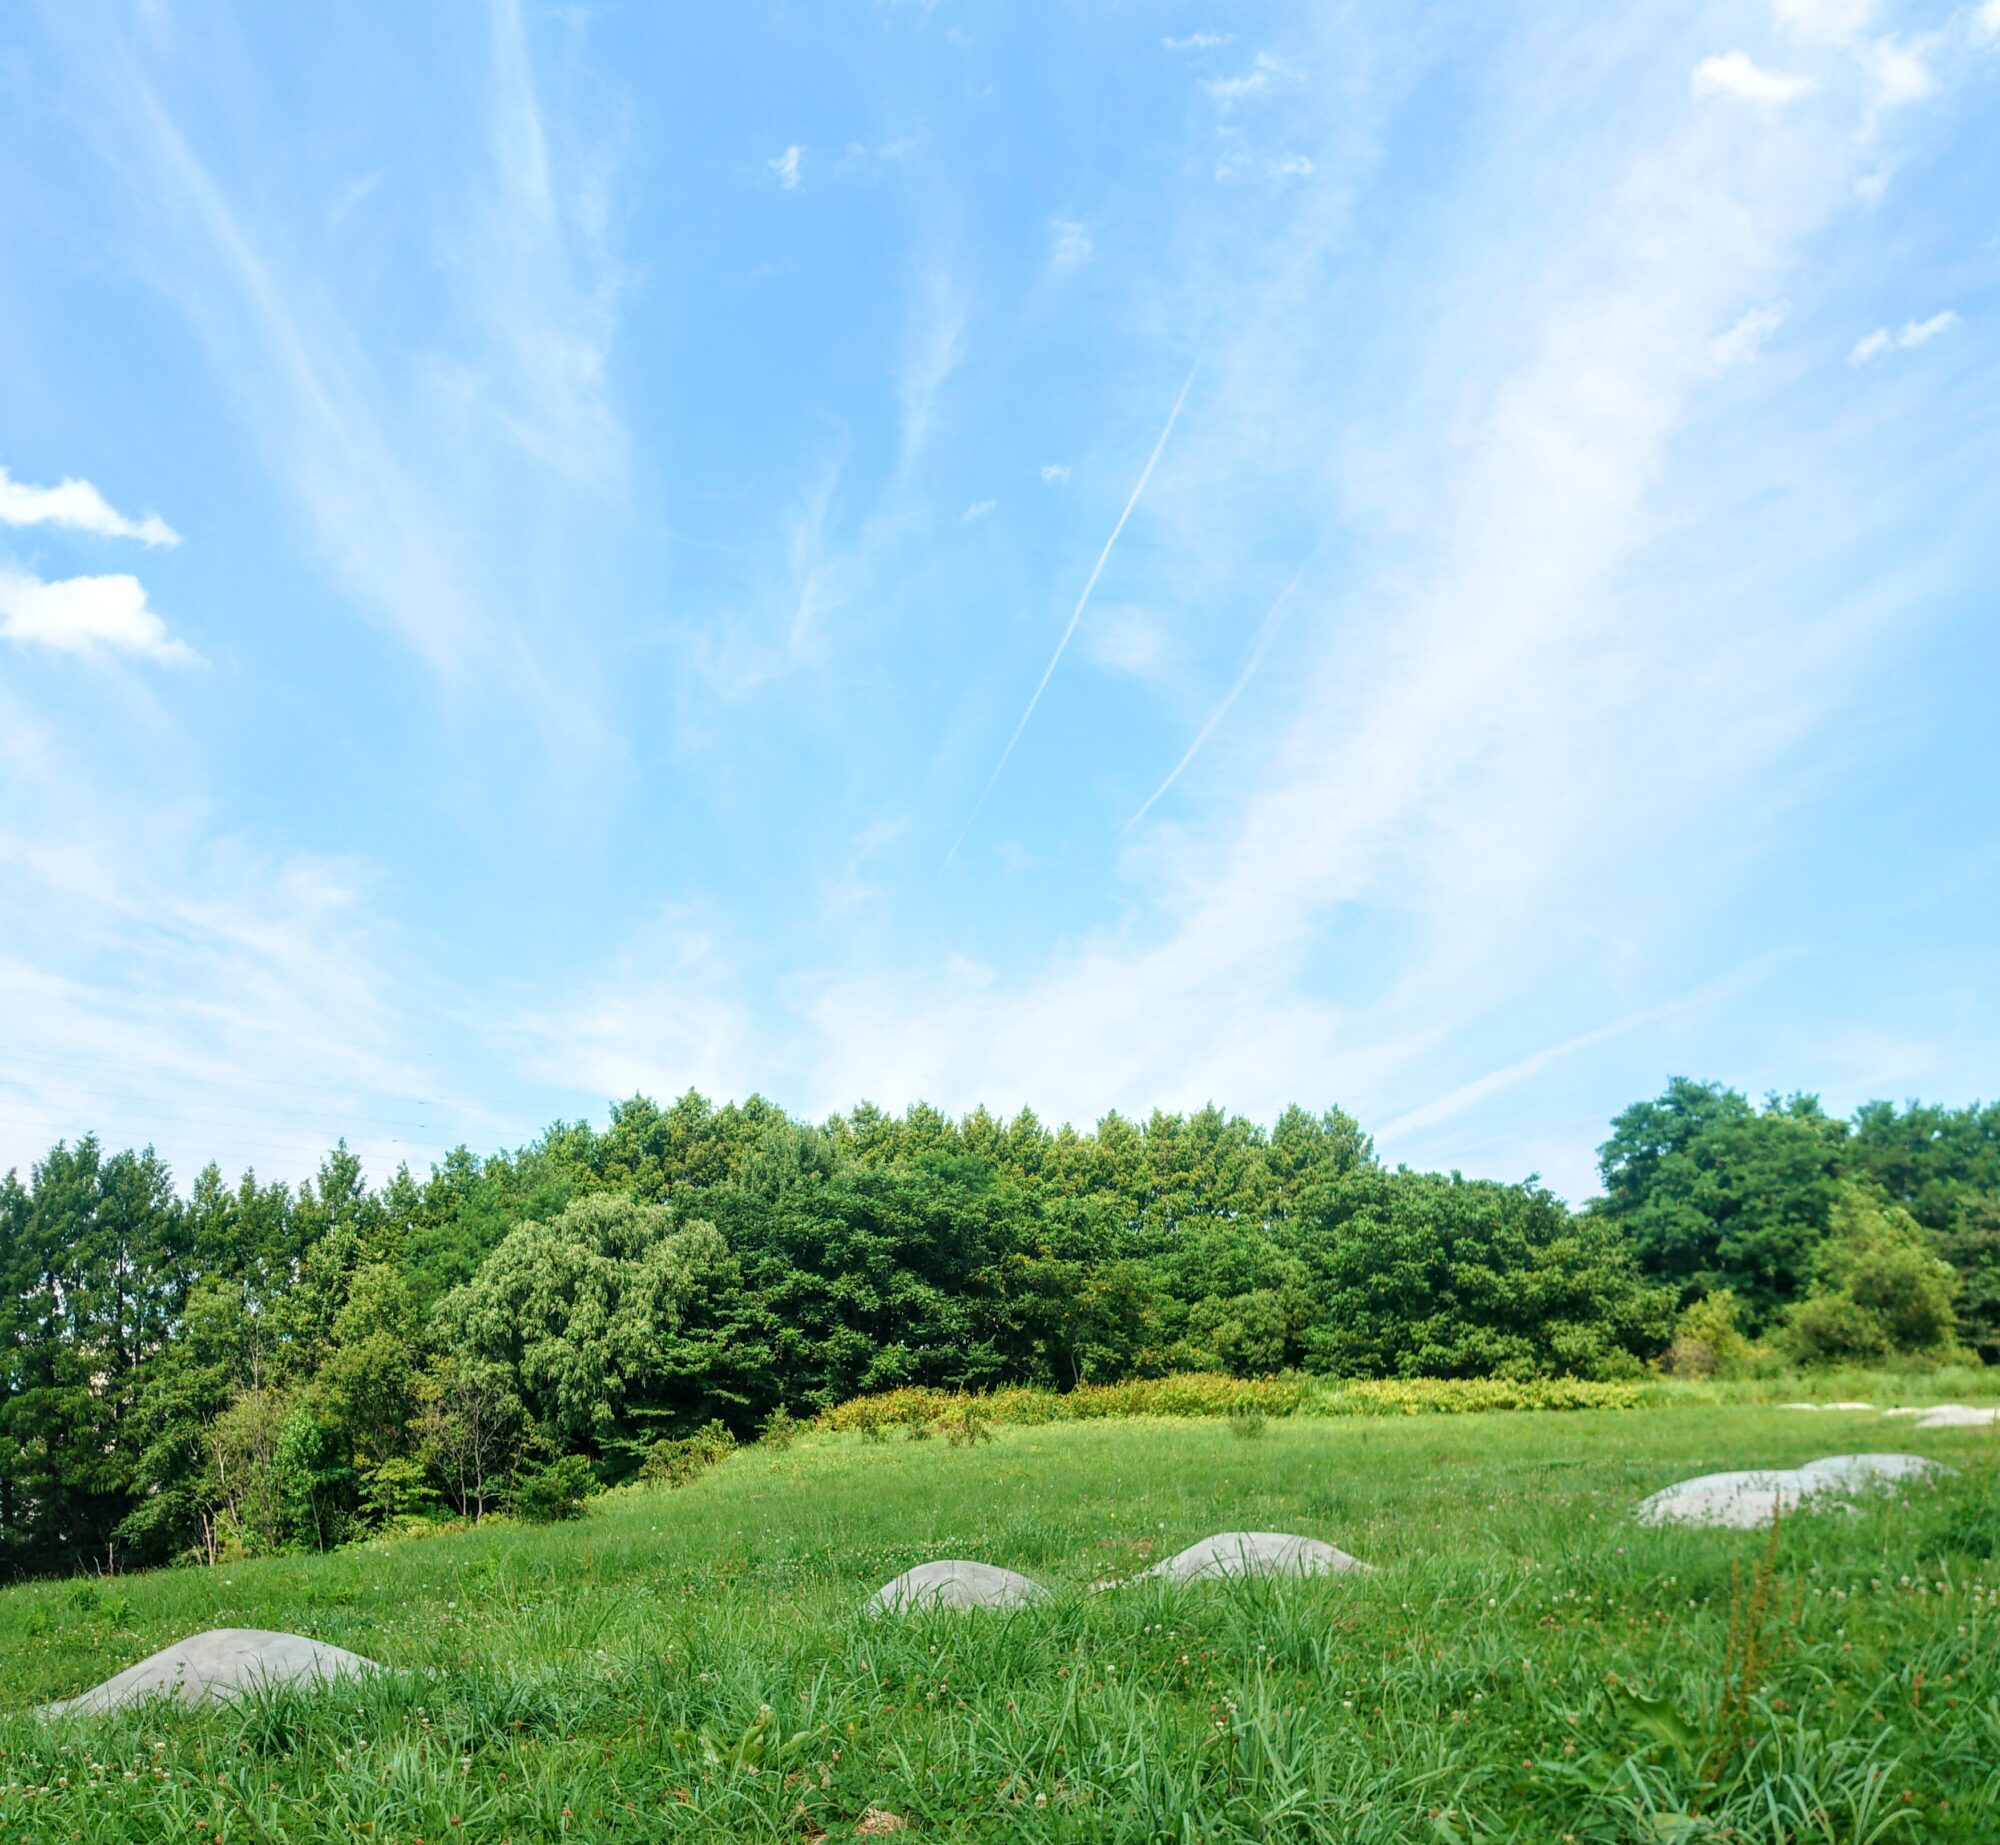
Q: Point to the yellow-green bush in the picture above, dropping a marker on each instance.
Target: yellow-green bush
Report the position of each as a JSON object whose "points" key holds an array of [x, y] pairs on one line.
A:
{"points": [[1207, 1393], [1459, 1396]]}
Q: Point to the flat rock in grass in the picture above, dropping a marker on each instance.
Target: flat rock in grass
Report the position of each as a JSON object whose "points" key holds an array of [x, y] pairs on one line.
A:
{"points": [[213, 1667], [1864, 1471], [1748, 1500], [1253, 1553], [1957, 1416], [1742, 1501], [954, 1583]]}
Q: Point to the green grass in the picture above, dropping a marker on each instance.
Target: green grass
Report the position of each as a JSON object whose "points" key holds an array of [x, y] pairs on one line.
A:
{"points": [[1524, 1663]]}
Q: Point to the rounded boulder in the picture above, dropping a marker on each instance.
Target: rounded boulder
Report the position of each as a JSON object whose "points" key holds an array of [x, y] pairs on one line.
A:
{"points": [[212, 1667], [1253, 1553], [952, 1582]]}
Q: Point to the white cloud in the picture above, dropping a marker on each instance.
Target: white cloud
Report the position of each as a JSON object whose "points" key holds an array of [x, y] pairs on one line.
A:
{"points": [[1823, 21], [84, 615], [1210, 41], [1732, 73], [1258, 78], [1911, 334], [1988, 21], [786, 166], [1070, 244], [1871, 188], [1900, 75], [1298, 166], [1054, 473], [978, 510], [78, 505], [1746, 335], [1917, 332]]}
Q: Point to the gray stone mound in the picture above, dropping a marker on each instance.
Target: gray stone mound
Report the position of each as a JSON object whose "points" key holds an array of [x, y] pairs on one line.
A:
{"points": [[954, 1583], [212, 1667], [1866, 1471], [1742, 1501], [1253, 1553], [1749, 1500], [1957, 1416]]}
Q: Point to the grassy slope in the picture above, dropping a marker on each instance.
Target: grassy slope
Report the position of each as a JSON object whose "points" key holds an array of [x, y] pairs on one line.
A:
{"points": [[560, 1679]]}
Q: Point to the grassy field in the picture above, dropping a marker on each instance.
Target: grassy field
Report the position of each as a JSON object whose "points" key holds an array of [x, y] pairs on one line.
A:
{"points": [[1524, 1663]]}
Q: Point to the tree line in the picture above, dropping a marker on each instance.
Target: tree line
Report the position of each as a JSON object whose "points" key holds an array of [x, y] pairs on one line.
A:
{"points": [[256, 1367]]}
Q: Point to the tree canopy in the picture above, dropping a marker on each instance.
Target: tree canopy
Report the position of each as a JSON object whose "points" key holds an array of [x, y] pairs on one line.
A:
{"points": [[253, 1366]]}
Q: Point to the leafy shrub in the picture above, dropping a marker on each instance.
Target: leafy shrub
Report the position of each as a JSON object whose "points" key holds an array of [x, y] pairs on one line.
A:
{"points": [[967, 1423], [397, 1488], [1202, 1395], [1460, 1396], [555, 1491], [1709, 1340], [1247, 1421], [781, 1429], [677, 1460]]}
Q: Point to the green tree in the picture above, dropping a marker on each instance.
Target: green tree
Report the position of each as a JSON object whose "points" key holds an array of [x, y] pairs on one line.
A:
{"points": [[580, 1314], [1424, 1275], [1878, 1291], [1713, 1193]]}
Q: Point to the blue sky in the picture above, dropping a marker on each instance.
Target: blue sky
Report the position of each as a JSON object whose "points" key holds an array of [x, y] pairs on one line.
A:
{"points": [[1440, 559]]}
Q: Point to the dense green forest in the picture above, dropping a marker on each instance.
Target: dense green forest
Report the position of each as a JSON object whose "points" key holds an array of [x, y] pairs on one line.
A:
{"points": [[256, 1367]]}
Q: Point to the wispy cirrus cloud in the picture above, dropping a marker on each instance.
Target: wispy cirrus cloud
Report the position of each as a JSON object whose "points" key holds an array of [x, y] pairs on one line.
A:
{"points": [[1469, 729], [167, 983], [933, 346], [1264, 73], [1076, 614], [1253, 658], [399, 463], [1744, 340], [789, 167], [1458, 1099], [77, 505], [1906, 338]]}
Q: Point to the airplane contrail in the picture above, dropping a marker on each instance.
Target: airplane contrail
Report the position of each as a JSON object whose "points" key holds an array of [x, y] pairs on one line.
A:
{"points": [[1260, 642], [1048, 673]]}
